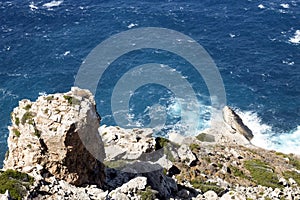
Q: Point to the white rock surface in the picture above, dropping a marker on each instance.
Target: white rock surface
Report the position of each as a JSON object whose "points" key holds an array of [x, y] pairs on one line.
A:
{"points": [[58, 133]]}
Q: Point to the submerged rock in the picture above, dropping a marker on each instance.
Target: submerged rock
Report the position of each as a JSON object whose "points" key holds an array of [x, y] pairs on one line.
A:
{"points": [[57, 135]]}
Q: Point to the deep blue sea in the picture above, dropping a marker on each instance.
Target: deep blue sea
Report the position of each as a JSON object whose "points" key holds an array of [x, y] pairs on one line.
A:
{"points": [[255, 45]]}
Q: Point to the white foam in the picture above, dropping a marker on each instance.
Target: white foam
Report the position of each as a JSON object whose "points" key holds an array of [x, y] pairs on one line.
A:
{"points": [[52, 4], [296, 38], [261, 6], [285, 5], [32, 6], [131, 25], [231, 35], [66, 53], [288, 62], [42, 94], [264, 136]]}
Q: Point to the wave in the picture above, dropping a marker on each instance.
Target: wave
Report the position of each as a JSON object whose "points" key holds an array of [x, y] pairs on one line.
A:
{"points": [[52, 4], [265, 137], [296, 38]]}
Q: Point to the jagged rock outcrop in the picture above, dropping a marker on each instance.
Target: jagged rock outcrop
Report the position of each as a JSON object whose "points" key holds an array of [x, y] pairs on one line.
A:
{"points": [[236, 123], [57, 135], [56, 140]]}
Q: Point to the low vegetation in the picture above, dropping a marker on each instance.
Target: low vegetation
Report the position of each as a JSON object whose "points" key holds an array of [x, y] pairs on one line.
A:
{"points": [[16, 182], [237, 172], [161, 143], [49, 98], [262, 173], [206, 186], [72, 100], [203, 137], [194, 147], [27, 107], [292, 174], [16, 132], [27, 117], [147, 194]]}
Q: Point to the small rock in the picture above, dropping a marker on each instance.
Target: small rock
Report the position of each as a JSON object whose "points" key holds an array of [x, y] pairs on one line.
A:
{"points": [[5, 196], [292, 182], [283, 182], [211, 195], [233, 195], [186, 155]]}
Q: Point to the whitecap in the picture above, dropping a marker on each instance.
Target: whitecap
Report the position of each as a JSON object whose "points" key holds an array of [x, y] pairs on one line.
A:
{"points": [[285, 5], [296, 38], [32, 6], [288, 62], [52, 4], [131, 25], [66, 53], [261, 6], [231, 35]]}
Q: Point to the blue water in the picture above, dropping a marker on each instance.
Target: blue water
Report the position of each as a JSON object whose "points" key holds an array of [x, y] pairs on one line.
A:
{"points": [[253, 44]]}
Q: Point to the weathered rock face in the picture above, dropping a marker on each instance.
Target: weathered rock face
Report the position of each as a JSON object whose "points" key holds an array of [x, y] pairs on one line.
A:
{"points": [[57, 135], [236, 123]]}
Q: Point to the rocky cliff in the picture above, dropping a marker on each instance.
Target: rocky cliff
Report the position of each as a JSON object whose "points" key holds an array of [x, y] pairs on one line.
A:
{"points": [[47, 138], [58, 151]]}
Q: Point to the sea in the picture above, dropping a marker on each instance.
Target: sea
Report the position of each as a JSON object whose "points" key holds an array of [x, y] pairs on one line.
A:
{"points": [[254, 44]]}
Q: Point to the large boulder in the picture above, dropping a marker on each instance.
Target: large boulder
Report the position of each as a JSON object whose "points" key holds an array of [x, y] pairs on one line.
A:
{"points": [[236, 123], [57, 136]]}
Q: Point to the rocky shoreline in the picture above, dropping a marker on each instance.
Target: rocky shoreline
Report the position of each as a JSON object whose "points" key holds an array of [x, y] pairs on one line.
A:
{"points": [[56, 150]]}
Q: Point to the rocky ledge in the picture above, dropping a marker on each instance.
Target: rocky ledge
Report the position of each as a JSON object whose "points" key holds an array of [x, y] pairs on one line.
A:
{"points": [[56, 150]]}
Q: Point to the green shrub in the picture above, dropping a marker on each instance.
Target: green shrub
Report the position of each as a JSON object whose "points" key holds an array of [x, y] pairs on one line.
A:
{"points": [[203, 137], [160, 143], [16, 182], [72, 100], [16, 132], [262, 173], [49, 98], [205, 186], [147, 194], [27, 117], [27, 107], [194, 147], [17, 121]]}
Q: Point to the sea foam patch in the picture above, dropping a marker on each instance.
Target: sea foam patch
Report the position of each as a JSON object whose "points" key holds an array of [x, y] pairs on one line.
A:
{"points": [[265, 137], [296, 38], [52, 4]]}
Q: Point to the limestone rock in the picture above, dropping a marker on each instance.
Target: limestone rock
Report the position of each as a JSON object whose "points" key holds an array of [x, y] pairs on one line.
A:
{"points": [[131, 187], [233, 195], [236, 123], [186, 155], [59, 189], [5, 196], [58, 133], [210, 195]]}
